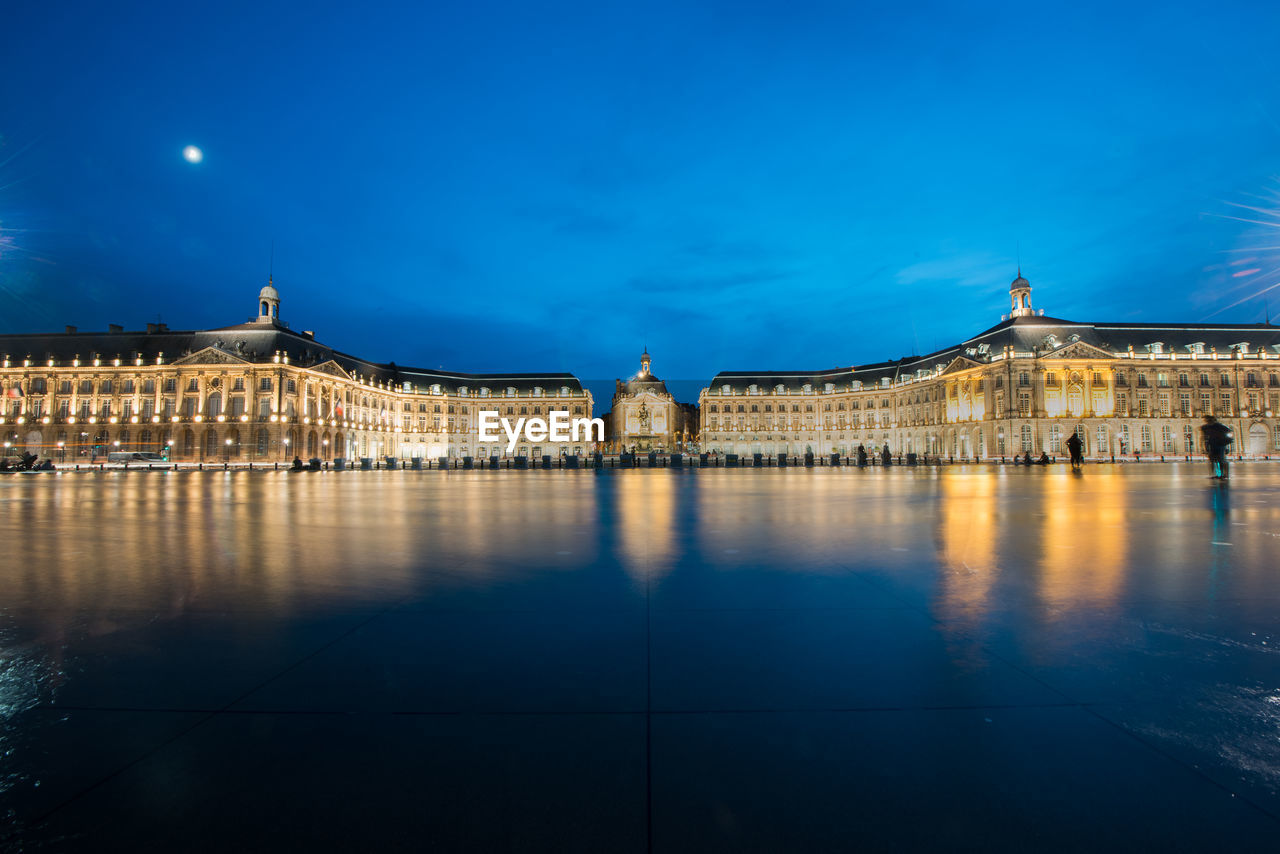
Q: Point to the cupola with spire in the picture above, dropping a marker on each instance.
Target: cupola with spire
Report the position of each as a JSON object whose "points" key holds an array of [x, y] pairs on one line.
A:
{"points": [[1020, 296], [268, 304], [644, 363]]}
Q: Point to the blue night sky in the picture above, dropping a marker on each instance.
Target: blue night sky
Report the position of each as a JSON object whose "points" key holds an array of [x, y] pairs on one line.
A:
{"points": [[550, 186]]}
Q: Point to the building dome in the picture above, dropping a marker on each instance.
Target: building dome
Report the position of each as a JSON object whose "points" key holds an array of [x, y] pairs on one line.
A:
{"points": [[1019, 282], [269, 304]]}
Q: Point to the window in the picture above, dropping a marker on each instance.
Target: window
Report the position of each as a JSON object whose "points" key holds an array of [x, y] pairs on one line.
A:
{"points": [[1024, 379], [264, 384], [86, 386], [1143, 410], [127, 387], [1055, 439], [1026, 438], [1184, 405], [106, 387], [1166, 439], [1142, 381], [291, 387], [1188, 440], [1146, 438]]}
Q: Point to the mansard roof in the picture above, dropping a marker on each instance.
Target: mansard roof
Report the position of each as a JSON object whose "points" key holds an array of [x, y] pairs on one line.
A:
{"points": [[258, 343], [1034, 335]]}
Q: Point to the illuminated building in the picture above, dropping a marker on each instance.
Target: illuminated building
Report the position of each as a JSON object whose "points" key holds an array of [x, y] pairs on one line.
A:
{"points": [[1022, 386], [645, 416], [256, 391]]}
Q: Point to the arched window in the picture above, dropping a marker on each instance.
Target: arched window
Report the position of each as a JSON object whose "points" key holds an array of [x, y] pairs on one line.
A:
{"points": [[211, 443], [213, 407], [262, 443]]}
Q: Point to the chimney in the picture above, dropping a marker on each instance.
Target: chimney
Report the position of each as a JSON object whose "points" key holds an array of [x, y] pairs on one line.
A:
{"points": [[71, 330], [114, 327]]}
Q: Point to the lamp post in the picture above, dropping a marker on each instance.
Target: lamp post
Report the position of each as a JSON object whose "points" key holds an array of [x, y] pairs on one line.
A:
{"points": [[285, 442], [168, 450], [62, 452], [226, 454]]}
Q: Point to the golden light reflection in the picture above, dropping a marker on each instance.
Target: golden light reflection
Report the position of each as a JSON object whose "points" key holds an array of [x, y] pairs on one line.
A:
{"points": [[967, 545], [1085, 542], [647, 508]]}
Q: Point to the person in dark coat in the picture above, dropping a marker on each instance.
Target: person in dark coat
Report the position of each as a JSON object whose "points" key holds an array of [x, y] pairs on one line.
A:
{"points": [[885, 457], [862, 456], [1026, 458], [1075, 448], [1217, 438]]}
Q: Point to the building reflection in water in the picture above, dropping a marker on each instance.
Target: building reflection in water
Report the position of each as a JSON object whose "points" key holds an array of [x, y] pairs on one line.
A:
{"points": [[646, 529]]}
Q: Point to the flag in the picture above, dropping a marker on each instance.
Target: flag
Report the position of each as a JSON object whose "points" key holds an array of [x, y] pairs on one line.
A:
{"points": [[14, 391]]}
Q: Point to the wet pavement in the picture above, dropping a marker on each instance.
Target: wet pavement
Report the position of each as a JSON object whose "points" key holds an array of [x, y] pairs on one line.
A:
{"points": [[630, 660]]}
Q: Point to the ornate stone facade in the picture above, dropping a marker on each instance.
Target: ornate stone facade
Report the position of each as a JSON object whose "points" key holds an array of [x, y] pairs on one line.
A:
{"points": [[256, 391], [645, 416], [1022, 386]]}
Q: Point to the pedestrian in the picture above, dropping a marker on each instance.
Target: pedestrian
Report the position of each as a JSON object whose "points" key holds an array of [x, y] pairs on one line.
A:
{"points": [[862, 456], [1026, 458], [1217, 438], [1075, 448], [885, 457]]}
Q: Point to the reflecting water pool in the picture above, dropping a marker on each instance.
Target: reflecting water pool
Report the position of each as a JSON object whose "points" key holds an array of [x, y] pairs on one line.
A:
{"points": [[718, 659]]}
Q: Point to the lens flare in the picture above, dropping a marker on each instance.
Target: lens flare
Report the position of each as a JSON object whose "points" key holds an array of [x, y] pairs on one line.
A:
{"points": [[1260, 258], [192, 154]]}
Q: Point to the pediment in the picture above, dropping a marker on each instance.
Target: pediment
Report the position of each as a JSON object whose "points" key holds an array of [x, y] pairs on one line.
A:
{"points": [[211, 356], [645, 396], [961, 363], [332, 368], [1079, 350]]}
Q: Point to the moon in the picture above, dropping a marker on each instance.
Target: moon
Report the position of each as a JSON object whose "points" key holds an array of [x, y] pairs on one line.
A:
{"points": [[192, 154]]}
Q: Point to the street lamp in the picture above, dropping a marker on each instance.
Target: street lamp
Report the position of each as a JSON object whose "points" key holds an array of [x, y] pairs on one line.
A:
{"points": [[62, 452], [226, 456], [168, 450]]}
